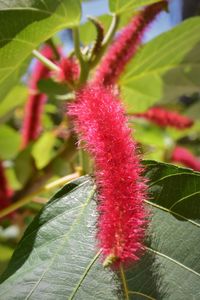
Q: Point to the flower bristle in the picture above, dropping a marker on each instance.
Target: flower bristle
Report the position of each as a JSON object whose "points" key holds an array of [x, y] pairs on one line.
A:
{"points": [[183, 156], [164, 118], [5, 190], [69, 70], [101, 122], [126, 44], [31, 126]]}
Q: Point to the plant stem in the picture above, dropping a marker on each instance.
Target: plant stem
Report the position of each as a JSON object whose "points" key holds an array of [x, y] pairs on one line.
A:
{"points": [[46, 188], [111, 31], [56, 53], [48, 63], [123, 278], [84, 162], [79, 55], [107, 39]]}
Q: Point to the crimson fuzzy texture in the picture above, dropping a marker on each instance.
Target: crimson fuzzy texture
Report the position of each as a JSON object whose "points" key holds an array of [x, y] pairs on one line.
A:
{"points": [[35, 104], [101, 122], [69, 70], [185, 157], [5, 191], [164, 118], [126, 44]]}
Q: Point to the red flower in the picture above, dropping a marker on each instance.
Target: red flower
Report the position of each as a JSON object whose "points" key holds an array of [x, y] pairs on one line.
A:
{"points": [[69, 70], [164, 118], [35, 104], [5, 191], [185, 157], [126, 44], [102, 124]]}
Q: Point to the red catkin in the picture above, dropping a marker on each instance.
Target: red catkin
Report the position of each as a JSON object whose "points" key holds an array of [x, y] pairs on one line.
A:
{"points": [[33, 110], [164, 118], [5, 191], [126, 44], [185, 157], [101, 122], [69, 70]]}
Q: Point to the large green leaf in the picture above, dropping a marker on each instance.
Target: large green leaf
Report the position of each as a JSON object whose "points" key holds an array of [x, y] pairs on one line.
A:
{"points": [[119, 6], [25, 24], [57, 257], [58, 253], [165, 68]]}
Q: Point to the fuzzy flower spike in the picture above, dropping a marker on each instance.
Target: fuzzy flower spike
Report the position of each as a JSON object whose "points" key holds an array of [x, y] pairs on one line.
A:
{"points": [[36, 100], [185, 157], [5, 191], [101, 122], [164, 118], [126, 44]]}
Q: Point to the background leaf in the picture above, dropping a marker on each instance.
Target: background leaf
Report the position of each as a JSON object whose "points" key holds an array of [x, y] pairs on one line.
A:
{"points": [[16, 97], [26, 24], [119, 6], [60, 246], [45, 149], [162, 71], [57, 257], [9, 142]]}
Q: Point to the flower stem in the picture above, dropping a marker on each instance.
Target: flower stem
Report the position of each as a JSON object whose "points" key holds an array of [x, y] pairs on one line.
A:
{"points": [[56, 53], [47, 187], [83, 63], [47, 62], [123, 278], [107, 39]]}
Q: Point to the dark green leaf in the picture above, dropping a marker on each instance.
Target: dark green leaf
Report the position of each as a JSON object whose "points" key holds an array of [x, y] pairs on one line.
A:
{"points": [[52, 88], [57, 257]]}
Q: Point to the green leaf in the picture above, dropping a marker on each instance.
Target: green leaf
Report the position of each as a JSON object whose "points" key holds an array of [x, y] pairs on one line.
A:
{"points": [[44, 149], [24, 165], [57, 257], [12, 80], [150, 134], [170, 269], [193, 111], [15, 98], [5, 253], [52, 88], [9, 142], [26, 24], [165, 68], [119, 6]]}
